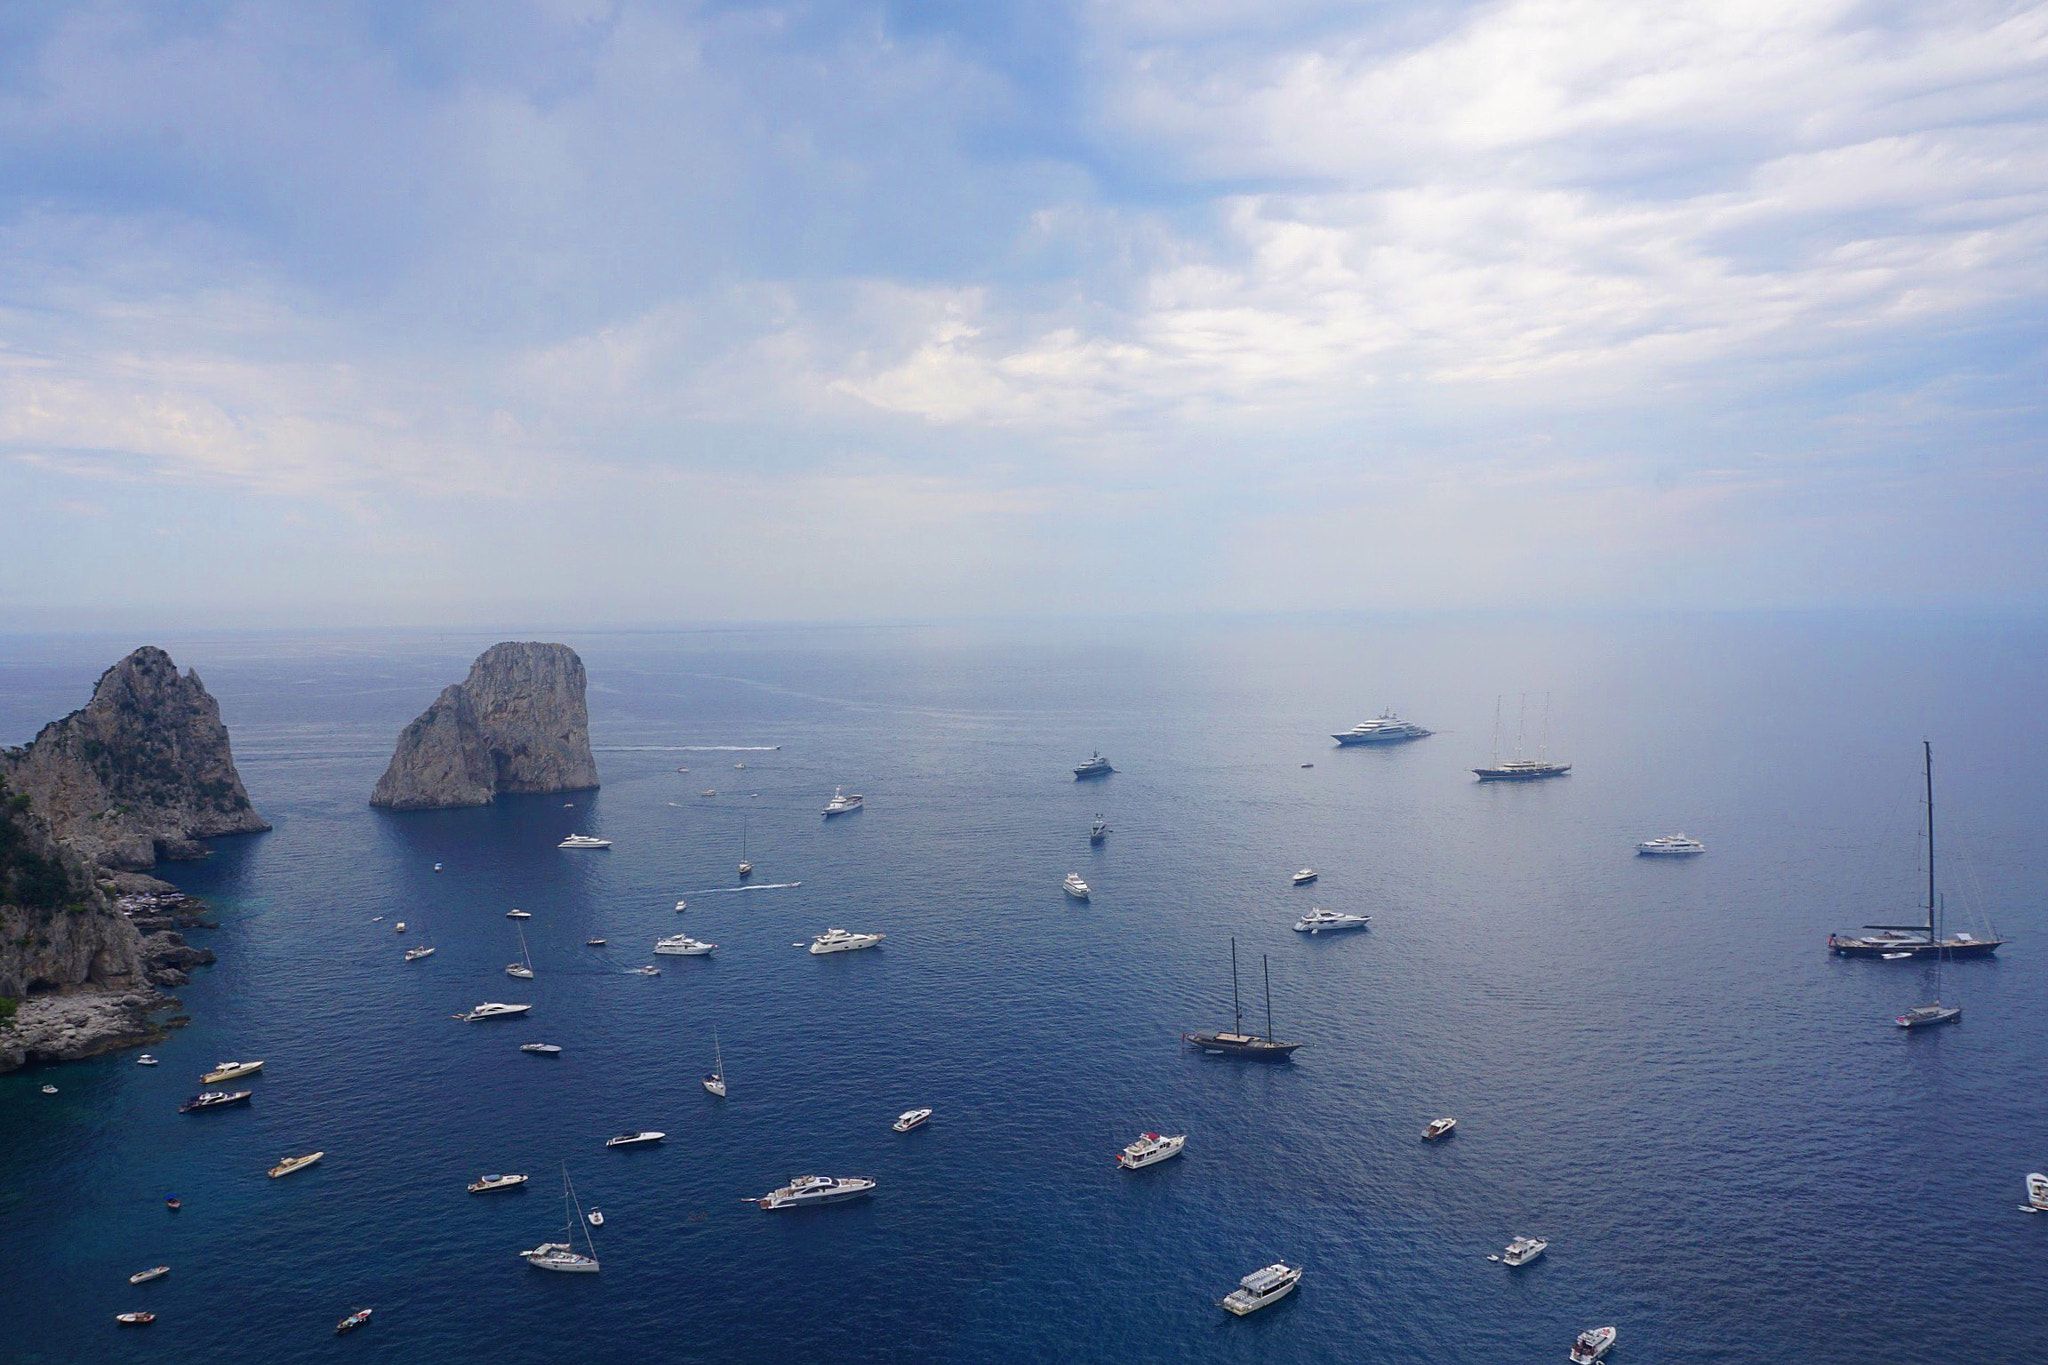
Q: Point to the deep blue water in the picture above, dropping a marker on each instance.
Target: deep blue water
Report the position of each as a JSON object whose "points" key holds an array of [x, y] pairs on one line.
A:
{"points": [[1655, 1064]]}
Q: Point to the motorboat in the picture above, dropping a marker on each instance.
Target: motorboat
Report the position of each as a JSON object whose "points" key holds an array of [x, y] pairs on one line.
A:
{"points": [[49, 1090], [1150, 1149], [491, 1009], [155, 1272], [843, 802], [843, 941], [230, 1071], [682, 906], [1592, 1344], [487, 1184], [398, 928], [415, 954], [682, 945], [1266, 1285], [562, 1256], [1306, 876], [1096, 766], [807, 1191], [911, 1118], [173, 1203], [1098, 831], [1385, 728], [287, 1165], [437, 867], [542, 1049], [1670, 846], [516, 913], [708, 791], [649, 970], [593, 943], [353, 1321], [215, 1099], [135, 1319], [1074, 886], [145, 1060], [1238, 1043], [1523, 1250], [1439, 1129], [584, 841], [597, 1218], [1317, 920], [646, 1139], [1923, 1016], [2037, 1193]]}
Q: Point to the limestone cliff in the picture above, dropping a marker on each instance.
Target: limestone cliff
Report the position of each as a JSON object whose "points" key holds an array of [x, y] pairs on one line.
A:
{"points": [[142, 771], [518, 723]]}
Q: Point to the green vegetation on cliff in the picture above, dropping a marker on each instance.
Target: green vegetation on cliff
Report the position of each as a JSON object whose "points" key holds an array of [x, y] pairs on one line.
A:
{"points": [[28, 877]]}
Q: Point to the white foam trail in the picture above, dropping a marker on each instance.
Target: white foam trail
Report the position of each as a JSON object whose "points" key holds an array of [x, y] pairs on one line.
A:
{"points": [[728, 890], [685, 748]]}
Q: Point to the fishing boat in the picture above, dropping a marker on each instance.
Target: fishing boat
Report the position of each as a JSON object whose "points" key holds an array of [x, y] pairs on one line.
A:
{"points": [[1237, 1043], [490, 1184], [155, 1272], [286, 1165], [523, 968], [1518, 768], [229, 1071], [1150, 1149], [1264, 1286], [562, 1256], [715, 1082], [1899, 942], [1439, 1129], [135, 1319], [353, 1321], [1592, 1344], [911, 1118], [214, 1099]]}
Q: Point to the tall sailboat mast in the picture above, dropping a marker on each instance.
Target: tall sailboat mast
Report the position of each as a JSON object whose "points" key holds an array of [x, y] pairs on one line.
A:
{"points": [[1928, 747], [1267, 972], [1236, 1009]]}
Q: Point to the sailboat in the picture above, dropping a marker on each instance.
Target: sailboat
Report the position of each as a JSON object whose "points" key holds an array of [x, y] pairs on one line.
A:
{"points": [[715, 1082], [1920, 1016], [1895, 941], [1238, 1043], [746, 868], [523, 968], [1518, 768], [563, 1256]]}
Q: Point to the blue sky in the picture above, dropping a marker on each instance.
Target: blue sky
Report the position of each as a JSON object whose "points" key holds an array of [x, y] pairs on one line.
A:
{"points": [[420, 314]]}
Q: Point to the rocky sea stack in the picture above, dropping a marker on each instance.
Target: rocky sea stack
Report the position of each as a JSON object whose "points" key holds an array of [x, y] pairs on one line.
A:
{"points": [[518, 723]]}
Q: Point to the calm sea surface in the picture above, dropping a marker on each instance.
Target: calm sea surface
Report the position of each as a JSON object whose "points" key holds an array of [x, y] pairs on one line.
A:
{"points": [[1655, 1064]]}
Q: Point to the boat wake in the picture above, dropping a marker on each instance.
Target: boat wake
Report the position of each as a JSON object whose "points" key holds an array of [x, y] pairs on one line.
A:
{"points": [[727, 890], [685, 748]]}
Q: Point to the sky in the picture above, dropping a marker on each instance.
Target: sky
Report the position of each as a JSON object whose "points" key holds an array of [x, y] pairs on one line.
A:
{"points": [[620, 313]]}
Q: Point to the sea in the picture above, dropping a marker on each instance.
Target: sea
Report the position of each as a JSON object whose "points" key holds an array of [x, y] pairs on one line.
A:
{"points": [[1655, 1064]]}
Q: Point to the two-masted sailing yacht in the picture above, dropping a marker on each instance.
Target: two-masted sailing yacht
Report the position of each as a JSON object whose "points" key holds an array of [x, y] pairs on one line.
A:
{"points": [[1895, 941], [1237, 1043]]}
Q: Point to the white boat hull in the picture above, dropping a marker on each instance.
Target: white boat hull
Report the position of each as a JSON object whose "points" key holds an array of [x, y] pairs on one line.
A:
{"points": [[1247, 1305]]}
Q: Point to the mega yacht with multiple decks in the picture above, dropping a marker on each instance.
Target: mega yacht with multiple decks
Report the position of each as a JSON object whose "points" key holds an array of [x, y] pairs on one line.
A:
{"points": [[1318, 920], [1386, 728], [843, 941], [1670, 846], [808, 1191], [682, 945], [843, 803], [584, 841], [1096, 766], [1074, 886], [1150, 1149]]}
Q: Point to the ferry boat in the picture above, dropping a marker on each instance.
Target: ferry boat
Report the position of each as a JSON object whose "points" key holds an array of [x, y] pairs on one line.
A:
{"points": [[1307, 876], [1592, 1344], [646, 1139], [491, 1009], [1317, 920], [1670, 846], [584, 841], [1264, 1286], [1439, 1129], [1096, 766], [487, 1184], [215, 1099], [1523, 1250], [1074, 886], [843, 802], [1150, 1149], [353, 1321], [155, 1272], [806, 1191], [682, 945], [1894, 942], [911, 1118], [843, 941], [287, 1165], [1386, 728], [1238, 1043], [230, 1071]]}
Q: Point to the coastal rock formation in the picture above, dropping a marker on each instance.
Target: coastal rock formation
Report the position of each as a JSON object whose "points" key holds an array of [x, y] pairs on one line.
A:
{"points": [[518, 723], [143, 771]]}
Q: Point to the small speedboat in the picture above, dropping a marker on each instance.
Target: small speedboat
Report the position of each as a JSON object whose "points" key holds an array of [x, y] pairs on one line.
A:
{"points": [[135, 1319], [516, 913], [145, 1060], [49, 1090], [352, 1321], [541, 1049], [287, 1165], [173, 1203], [1150, 1149], [593, 943], [1523, 1250], [1438, 1128], [911, 1118], [486, 1184], [1306, 875], [1264, 1286], [597, 1218], [1074, 886], [646, 1139], [155, 1272], [1591, 1344], [437, 867], [649, 970]]}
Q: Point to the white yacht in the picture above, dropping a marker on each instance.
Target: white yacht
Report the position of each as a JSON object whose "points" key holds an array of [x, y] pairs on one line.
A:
{"points": [[804, 1191], [542, 1049], [911, 1118], [2037, 1193], [584, 841], [1150, 1149], [843, 941], [516, 913], [1670, 846], [1074, 886], [649, 970], [682, 945], [491, 1009], [841, 802], [415, 954], [1096, 766], [1098, 831], [398, 928], [1306, 876], [287, 1164], [1317, 920], [155, 1272], [1269, 1284], [1591, 1344], [1386, 728], [484, 1184], [715, 1082], [1436, 1130], [145, 1060], [646, 1139], [228, 1071], [563, 1256], [1523, 1250], [682, 906]]}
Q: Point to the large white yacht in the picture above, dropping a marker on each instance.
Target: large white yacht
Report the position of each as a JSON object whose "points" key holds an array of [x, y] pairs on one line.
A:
{"points": [[1317, 920], [842, 802], [228, 1071], [803, 1191], [843, 941], [1671, 846], [1386, 728], [491, 1009], [682, 945], [1150, 1149], [1096, 766], [1523, 1250], [642, 1139], [1268, 1284], [485, 1184], [1074, 886], [584, 841], [1591, 1344]]}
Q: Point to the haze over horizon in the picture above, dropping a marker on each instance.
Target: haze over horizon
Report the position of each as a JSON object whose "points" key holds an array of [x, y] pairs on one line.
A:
{"points": [[372, 314]]}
